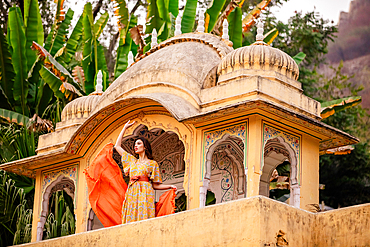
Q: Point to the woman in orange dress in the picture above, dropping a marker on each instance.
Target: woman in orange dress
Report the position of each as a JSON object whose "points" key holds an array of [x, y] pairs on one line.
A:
{"points": [[144, 178]]}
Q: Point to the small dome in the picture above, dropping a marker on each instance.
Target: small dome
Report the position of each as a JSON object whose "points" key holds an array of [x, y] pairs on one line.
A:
{"points": [[257, 59], [80, 107]]}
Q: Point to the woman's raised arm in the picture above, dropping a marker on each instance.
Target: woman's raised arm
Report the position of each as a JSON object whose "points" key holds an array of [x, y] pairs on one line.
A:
{"points": [[119, 139]]}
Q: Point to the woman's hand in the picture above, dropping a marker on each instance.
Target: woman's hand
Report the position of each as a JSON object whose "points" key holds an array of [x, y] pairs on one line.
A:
{"points": [[128, 124], [119, 138]]}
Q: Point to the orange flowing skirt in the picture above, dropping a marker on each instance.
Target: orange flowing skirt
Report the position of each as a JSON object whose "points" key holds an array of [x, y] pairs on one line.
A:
{"points": [[106, 189]]}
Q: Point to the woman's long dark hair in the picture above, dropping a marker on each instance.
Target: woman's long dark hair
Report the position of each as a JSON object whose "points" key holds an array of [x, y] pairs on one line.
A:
{"points": [[147, 147]]}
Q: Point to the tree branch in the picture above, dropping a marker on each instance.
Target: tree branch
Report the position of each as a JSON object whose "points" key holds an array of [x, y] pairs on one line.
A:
{"points": [[7, 3], [97, 8], [137, 5]]}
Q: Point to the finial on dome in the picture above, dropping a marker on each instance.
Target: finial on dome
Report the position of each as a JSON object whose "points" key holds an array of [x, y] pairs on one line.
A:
{"points": [[225, 30], [154, 42], [178, 25], [200, 27], [259, 37], [130, 58], [99, 83]]}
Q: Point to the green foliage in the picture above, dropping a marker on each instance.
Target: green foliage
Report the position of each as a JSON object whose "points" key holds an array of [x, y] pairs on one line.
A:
{"points": [[100, 24], [235, 27], [125, 46], [180, 203], [328, 108], [17, 39], [74, 41], [303, 33], [213, 13], [270, 36], [14, 117], [15, 216], [93, 55], [60, 221], [17, 143], [7, 73], [188, 18], [346, 177], [299, 57], [34, 29], [210, 198], [154, 20], [61, 33]]}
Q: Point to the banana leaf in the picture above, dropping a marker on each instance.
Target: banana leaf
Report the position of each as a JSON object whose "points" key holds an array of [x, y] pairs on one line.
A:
{"points": [[225, 14], [121, 12], [14, 117], [173, 7], [341, 150], [7, 73], [57, 69], [52, 80], [299, 57], [73, 41], [249, 20], [270, 36], [33, 79], [330, 107], [34, 29], [44, 97], [154, 21], [90, 50], [164, 14], [100, 24], [123, 50], [172, 26], [61, 33], [188, 17], [58, 18], [18, 42], [213, 12], [235, 27], [102, 65]]}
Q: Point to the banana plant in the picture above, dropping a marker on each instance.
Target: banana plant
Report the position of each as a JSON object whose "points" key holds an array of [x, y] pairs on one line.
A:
{"points": [[93, 53], [329, 108], [21, 92]]}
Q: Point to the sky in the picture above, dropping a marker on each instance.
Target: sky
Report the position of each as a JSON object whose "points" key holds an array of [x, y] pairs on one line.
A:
{"points": [[328, 9]]}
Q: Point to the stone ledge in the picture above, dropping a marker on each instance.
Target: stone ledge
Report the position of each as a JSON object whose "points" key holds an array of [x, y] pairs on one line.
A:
{"points": [[254, 221]]}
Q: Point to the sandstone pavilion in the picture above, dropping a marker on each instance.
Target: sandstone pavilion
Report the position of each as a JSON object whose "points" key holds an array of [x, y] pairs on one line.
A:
{"points": [[220, 120]]}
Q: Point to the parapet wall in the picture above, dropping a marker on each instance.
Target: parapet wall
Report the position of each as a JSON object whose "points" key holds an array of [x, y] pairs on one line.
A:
{"points": [[256, 221]]}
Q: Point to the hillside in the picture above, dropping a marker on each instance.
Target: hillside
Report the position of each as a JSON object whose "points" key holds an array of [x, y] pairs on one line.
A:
{"points": [[353, 47]]}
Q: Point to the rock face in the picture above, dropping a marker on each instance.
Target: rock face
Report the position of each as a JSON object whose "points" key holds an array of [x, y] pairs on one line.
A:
{"points": [[352, 47]]}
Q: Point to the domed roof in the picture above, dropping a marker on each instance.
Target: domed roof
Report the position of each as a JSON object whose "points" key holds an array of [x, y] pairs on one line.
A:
{"points": [[182, 62], [258, 59], [79, 108]]}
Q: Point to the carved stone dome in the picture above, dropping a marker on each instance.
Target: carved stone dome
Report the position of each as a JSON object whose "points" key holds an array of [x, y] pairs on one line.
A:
{"points": [[258, 59], [79, 108]]}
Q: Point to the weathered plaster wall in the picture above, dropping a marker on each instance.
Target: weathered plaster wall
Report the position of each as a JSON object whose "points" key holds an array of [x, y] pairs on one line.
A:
{"points": [[247, 222], [344, 227]]}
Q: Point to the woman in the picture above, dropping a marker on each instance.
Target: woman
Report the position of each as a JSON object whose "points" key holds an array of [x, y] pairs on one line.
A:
{"points": [[144, 177]]}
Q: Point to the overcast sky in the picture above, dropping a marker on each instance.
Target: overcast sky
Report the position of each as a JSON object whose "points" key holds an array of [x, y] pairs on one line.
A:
{"points": [[328, 9]]}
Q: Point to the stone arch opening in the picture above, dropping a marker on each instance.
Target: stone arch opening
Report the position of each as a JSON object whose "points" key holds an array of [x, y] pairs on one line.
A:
{"points": [[224, 170], [61, 183], [168, 150], [276, 152]]}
